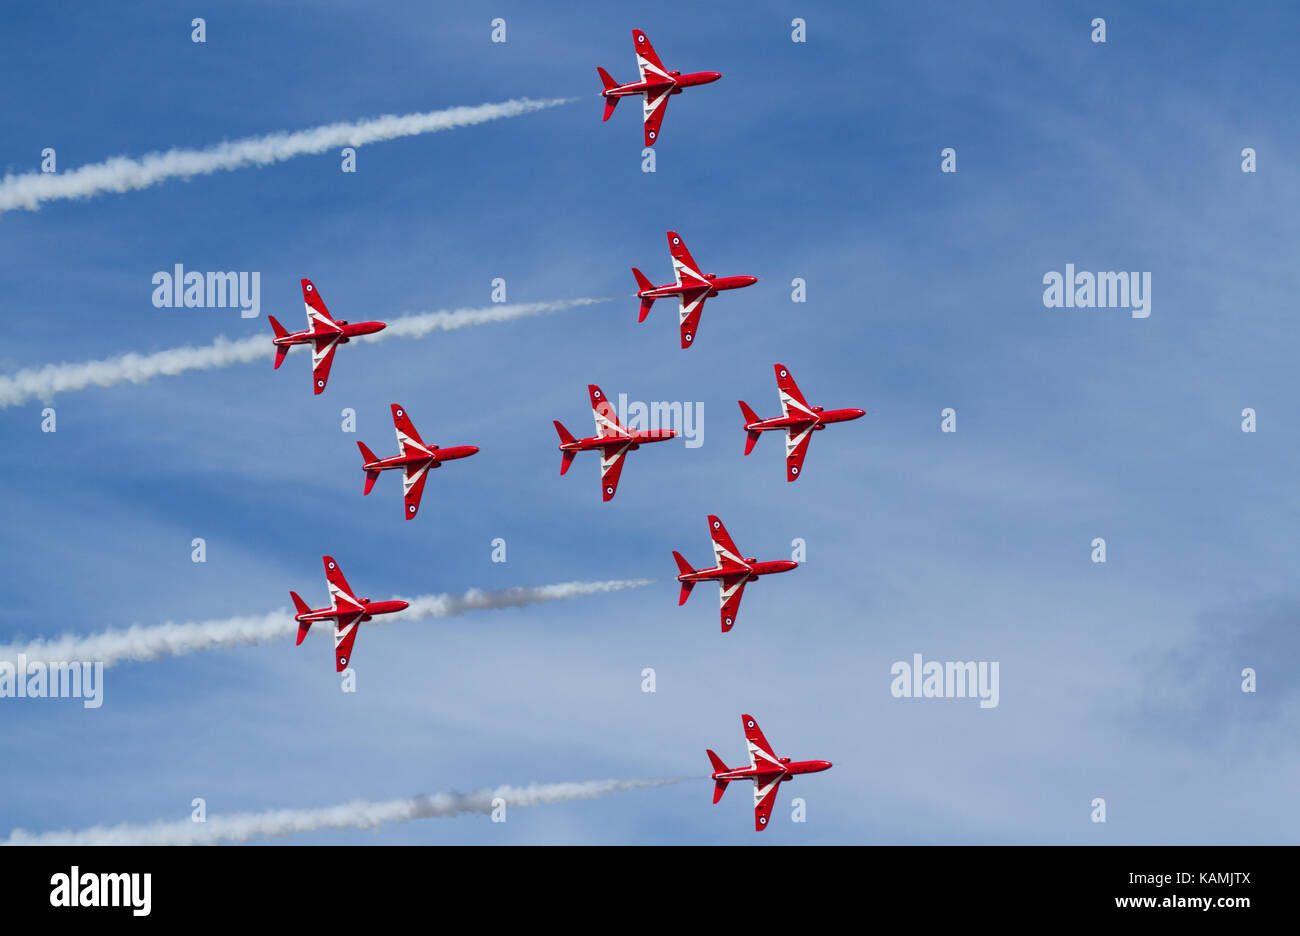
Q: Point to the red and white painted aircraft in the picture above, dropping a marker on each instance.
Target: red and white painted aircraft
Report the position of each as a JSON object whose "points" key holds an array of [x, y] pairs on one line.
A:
{"points": [[766, 770], [731, 573], [416, 458], [612, 438], [323, 333], [655, 86], [346, 610], [691, 288], [798, 419]]}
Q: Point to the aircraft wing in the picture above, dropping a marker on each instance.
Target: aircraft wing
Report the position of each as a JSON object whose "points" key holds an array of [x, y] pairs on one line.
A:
{"points": [[653, 108], [730, 592], [413, 479], [319, 319], [647, 60], [341, 595], [761, 755], [345, 634], [685, 269], [322, 357], [603, 411], [796, 447], [408, 440], [725, 552], [764, 800], [792, 401], [611, 467], [690, 305]]}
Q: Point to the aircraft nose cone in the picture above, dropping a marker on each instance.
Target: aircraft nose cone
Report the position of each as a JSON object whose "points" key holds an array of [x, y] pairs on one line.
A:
{"points": [[749, 280], [711, 76], [471, 450], [857, 413]]}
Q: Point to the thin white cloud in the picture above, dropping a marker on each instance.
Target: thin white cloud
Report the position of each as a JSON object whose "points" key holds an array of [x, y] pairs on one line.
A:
{"points": [[43, 383], [356, 814], [152, 642], [124, 174]]}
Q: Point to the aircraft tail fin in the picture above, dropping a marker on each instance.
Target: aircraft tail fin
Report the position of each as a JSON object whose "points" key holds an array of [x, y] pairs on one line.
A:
{"points": [[565, 437], [751, 436], [302, 608], [643, 283], [719, 786], [684, 567], [280, 350], [608, 82], [367, 457]]}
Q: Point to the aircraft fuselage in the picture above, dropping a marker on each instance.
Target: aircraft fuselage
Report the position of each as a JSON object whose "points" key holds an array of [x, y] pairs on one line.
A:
{"points": [[348, 330], [753, 568], [675, 81], [636, 437], [764, 775]]}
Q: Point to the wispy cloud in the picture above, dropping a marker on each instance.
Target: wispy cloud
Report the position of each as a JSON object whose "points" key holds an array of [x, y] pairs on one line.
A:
{"points": [[142, 643], [356, 814], [124, 174], [43, 383]]}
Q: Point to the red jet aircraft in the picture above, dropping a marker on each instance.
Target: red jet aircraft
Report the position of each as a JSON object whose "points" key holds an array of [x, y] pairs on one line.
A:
{"points": [[731, 573], [798, 419], [766, 770], [691, 288], [656, 85], [345, 610], [612, 439], [323, 333], [416, 458]]}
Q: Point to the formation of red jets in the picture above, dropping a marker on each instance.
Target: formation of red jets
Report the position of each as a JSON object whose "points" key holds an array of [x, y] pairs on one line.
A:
{"points": [[416, 458]]}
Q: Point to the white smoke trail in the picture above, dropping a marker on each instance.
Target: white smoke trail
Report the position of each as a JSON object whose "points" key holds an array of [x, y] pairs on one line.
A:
{"points": [[43, 382], [143, 643], [123, 174], [357, 814]]}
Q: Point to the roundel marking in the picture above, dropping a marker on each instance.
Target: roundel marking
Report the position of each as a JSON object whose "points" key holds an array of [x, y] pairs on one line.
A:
{"points": [[331, 565], [652, 134], [640, 37], [343, 661], [794, 470], [400, 413], [785, 373], [729, 624], [762, 820], [716, 524], [687, 336], [309, 287], [596, 394], [410, 508], [750, 723], [320, 383], [609, 490], [676, 241]]}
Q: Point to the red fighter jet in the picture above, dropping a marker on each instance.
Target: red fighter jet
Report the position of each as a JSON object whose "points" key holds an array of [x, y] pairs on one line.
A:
{"points": [[345, 610], [656, 85], [323, 333], [731, 573], [691, 288], [798, 419], [416, 459], [612, 439], [766, 770]]}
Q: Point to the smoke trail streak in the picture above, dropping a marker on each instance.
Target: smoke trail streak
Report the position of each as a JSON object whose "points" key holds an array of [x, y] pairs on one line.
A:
{"points": [[123, 174], [42, 383], [144, 643], [357, 814]]}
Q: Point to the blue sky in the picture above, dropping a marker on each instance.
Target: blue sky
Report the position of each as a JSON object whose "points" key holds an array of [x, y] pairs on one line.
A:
{"points": [[924, 292]]}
